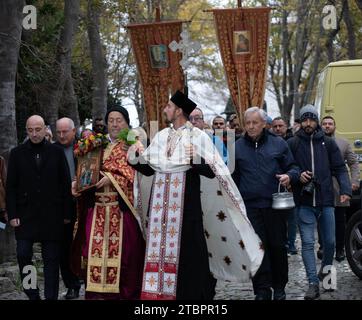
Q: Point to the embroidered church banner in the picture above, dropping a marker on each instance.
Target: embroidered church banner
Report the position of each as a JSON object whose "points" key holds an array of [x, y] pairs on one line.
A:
{"points": [[158, 67], [243, 35]]}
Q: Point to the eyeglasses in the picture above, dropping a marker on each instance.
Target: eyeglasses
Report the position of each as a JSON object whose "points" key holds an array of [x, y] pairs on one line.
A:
{"points": [[196, 118]]}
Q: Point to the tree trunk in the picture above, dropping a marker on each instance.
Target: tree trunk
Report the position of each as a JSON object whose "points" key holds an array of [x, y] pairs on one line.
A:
{"points": [[285, 46], [333, 34], [54, 92], [11, 15], [350, 32], [70, 102], [314, 68], [300, 50], [99, 63]]}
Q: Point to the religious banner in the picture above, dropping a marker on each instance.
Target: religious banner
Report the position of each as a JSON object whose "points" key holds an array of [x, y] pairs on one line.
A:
{"points": [[243, 35], [159, 67]]}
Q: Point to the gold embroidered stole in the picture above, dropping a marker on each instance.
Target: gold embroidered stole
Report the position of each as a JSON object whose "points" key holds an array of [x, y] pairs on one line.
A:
{"points": [[105, 247], [164, 237]]}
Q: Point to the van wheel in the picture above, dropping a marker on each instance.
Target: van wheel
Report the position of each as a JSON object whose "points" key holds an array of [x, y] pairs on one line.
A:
{"points": [[353, 243]]}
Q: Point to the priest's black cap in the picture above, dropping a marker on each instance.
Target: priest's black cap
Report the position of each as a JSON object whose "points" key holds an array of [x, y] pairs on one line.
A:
{"points": [[119, 109], [183, 102]]}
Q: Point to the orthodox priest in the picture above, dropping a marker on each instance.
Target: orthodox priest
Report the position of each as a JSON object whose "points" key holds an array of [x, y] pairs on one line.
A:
{"points": [[194, 216], [109, 234]]}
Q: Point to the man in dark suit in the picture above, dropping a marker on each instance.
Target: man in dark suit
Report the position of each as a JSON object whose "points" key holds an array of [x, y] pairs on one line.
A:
{"points": [[38, 194]]}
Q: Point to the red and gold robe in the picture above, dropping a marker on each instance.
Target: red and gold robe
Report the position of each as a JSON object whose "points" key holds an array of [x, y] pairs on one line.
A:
{"points": [[114, 243]]}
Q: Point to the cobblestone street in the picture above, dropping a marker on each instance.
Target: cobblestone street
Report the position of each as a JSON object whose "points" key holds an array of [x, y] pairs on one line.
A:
{"points": [[349, 287]]}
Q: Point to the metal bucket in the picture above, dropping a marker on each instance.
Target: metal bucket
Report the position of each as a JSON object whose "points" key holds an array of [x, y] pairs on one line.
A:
{"points": [[283, 200]]}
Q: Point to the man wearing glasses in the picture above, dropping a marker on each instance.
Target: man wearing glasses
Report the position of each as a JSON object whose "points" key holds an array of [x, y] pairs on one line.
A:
{"points": [[197, 120]]}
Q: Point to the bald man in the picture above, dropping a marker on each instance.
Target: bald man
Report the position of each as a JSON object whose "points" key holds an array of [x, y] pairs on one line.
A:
{"points": [[65, 134], [38, 194]]}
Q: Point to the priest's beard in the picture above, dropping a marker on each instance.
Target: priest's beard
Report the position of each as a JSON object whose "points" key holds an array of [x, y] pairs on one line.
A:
{"points": [[171, 120]]}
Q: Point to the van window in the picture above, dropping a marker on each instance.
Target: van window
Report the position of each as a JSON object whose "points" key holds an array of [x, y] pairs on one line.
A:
{"points": [[348, 106]]}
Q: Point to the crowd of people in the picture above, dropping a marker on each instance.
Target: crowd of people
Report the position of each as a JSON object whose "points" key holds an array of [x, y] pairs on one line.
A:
{"points": [[167, 220]]}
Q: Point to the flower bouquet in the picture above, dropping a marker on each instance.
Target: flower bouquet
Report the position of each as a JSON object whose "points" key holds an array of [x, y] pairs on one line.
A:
{"points": [[92, 142]]}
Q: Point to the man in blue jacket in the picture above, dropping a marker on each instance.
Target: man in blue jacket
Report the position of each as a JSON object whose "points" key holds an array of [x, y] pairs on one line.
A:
{"points": [[319, 158], [262, 161]]}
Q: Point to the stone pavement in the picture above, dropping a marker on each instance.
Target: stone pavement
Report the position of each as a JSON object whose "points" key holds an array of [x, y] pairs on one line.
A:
{"points": [[349, 287]]}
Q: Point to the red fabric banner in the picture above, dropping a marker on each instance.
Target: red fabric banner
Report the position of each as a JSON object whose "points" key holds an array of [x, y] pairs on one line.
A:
{"points": [[243, 35], [158, 67]]}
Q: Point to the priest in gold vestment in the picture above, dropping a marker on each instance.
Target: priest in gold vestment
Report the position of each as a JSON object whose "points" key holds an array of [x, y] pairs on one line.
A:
{"points": [[109, 235]]}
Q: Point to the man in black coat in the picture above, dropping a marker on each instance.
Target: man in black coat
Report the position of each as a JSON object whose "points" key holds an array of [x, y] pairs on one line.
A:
{"points": [[38, 193], [65, 130]]}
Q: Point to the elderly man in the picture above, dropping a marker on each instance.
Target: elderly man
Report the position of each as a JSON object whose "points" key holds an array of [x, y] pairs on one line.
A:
{"points": [[114, 263], [65, 131], [37, 202], [197, 118], [262, 161]]}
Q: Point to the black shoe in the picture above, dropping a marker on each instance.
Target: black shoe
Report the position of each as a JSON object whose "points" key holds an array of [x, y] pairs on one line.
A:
{"points": [[340, 255], [264, 295], [279, 294], [320, 254], [312, 292], [72, 294], [37, 297]]}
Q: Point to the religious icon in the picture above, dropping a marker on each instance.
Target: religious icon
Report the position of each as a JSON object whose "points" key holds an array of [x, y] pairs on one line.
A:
{"points": [[88, 170], [95, 275], [241, 42], [111, 275], [158, 56]]}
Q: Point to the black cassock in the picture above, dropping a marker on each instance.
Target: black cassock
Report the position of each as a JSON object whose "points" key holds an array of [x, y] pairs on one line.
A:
{"points": [[194, 280]]}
